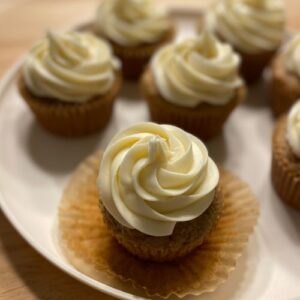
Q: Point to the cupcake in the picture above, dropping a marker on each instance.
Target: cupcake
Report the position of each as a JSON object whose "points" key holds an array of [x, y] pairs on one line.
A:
{"points": [[158, 191], [286, 157], [136, 29], [255, 28], [70, 81], [285, 85], [194, 85]]}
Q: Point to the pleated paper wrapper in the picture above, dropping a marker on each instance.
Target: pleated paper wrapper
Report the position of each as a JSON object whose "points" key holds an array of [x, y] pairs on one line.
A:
{"points": [[89, 247], [285, 166]]}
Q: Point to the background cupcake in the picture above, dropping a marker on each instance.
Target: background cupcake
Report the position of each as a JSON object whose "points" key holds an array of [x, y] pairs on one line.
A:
{"points": [[285, 87], [70, 81], [136, 29], [255, 28], [194, 85], [158, 191], [286, 157]]}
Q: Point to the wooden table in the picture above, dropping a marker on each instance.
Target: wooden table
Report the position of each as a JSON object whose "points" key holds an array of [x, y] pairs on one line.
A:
{"points": [[24, 274]]}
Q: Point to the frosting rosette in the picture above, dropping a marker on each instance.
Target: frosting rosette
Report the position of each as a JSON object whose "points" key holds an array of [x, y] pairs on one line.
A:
{"points": [[293, 129], [292, 55], [197, 70], [252, 26], [71, 67], [132, 22], [153, 176]]}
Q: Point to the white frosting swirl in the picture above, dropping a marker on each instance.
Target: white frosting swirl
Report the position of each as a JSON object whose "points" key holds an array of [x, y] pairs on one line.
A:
{"points": [[252, 26], [132, 22], [293, 128], [153, 176], [197, 70], [292, 55], [71, 67]]}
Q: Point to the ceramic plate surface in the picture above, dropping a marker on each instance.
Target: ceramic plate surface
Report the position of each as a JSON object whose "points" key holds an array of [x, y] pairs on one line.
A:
{"points": [[36, 165]]}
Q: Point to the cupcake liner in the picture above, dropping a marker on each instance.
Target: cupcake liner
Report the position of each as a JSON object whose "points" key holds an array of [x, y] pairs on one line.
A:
{"points": [[185, 237], [285, 167], [72, 120], [88, 245], [285, 87], [205, 121], [134, 59]]}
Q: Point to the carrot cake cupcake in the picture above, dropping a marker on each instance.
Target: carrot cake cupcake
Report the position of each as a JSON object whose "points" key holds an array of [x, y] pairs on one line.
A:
{"points": [[194, 85], [136, 29], [255, 28], [70, 81], [163, 199], [285, 86], [159, 191], [286, 157]]}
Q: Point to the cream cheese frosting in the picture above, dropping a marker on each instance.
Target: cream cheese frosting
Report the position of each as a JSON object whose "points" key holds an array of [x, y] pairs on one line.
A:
{"points": [[71, 67], [292, 56], [293, 128], [251, 26], [132, 22], [153, 176], [197, 70]]}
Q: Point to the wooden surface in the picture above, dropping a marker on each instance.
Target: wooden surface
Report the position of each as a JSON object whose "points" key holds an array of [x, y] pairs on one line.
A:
{"points": [[24, 274]]}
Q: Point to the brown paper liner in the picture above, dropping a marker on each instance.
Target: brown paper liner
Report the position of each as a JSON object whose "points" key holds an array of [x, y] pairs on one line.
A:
{"points": [[205, 121], [185, 237], [134, 59], [72, 120], [285, 87], [252, 65], [285, 167], [88, 245]]}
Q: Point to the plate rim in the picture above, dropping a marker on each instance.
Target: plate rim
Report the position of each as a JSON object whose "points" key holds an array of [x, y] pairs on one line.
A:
{"points": [[8, 77], [6, 80]]}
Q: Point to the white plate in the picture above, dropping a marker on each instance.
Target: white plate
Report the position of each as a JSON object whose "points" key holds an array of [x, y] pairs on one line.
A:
{"points": [[35, 167]]}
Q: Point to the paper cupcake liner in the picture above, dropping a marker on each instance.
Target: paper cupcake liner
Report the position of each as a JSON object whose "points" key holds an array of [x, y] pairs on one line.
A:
{"points": [[72, 120], [205, 121], [285, 87], [134, 59], [252, 64], [185, 237], [88, 245], [285, 167]]}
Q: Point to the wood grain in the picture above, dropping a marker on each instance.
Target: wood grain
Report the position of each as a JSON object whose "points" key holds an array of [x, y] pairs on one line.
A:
{"points": [[24, 274]]}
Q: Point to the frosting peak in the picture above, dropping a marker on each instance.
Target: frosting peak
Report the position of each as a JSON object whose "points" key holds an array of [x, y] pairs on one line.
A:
{"points": [[132, 22], [66, 50], [71, 67], [153, 176], [293, 129], [251, 26], [197, 70]]}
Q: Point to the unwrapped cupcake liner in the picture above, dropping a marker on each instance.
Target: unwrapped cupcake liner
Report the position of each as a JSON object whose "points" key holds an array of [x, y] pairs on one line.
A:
{"points": [[285, 167], [88, 245], [205, 121], [285, 87], [72, 120]]}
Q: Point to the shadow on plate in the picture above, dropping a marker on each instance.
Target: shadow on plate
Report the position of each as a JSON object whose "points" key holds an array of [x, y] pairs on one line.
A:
{"points": [[259, 92], [26, 274], [217, 148], [55, 154], [131, 91], [287, 215]]}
